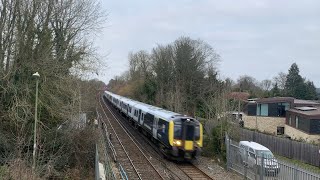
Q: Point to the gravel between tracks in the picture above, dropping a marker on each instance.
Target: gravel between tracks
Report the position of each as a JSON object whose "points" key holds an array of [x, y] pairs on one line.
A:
{"points": [[214, 170]]}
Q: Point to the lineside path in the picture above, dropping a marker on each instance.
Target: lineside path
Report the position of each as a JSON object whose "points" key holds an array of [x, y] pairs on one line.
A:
{"points": [[134, 161]]}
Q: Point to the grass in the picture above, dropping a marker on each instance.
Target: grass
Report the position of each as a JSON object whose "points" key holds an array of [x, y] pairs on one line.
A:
{"points": [[300, 164]]}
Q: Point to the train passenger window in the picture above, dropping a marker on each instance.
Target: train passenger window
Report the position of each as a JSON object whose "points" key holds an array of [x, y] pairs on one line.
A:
{"points": [[197, 133], [177, 130]]}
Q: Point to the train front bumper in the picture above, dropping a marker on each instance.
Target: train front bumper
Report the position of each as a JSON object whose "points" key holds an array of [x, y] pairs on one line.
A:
{"points": [[181, 153]]}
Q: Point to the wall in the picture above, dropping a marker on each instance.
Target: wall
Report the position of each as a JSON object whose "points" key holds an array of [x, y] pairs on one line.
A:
{"points": [[265, 124], [298, 135]]}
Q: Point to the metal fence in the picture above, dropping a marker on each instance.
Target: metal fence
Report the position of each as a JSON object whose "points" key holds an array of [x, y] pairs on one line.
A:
{"points": [[262, 166], [96, 164], [111, 152], [303, 152], [104, 153]]}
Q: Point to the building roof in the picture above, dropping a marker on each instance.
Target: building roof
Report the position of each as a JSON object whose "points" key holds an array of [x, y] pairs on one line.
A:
{"points": [[275, 100], [296, 102], [238, 95], [305, 102], [307, 111]]}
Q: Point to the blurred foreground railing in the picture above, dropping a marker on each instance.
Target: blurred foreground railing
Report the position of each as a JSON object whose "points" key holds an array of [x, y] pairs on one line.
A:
{"points": [[262, 166], [110, 152]]}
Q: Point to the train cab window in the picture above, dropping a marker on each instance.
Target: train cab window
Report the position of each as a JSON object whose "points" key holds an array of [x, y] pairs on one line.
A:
{"points": [[177, 130], [189, 132], [162, 126], [197, 133]]}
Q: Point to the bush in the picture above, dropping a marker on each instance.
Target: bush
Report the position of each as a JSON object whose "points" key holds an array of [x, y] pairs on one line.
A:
{"points": [[214, 145]]}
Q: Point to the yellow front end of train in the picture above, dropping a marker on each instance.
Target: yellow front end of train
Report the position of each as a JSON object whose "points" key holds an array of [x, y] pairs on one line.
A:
{"points": [[185, 138]]}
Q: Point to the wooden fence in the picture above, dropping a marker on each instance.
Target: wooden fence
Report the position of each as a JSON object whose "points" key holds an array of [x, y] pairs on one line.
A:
{"points": [[303, 152]]}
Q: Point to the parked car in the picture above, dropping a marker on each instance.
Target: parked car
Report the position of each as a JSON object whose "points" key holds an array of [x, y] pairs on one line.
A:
{"points": [[252, 154]]}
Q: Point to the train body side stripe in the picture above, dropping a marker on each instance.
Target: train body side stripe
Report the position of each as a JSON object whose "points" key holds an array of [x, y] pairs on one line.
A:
{"points": [[171, 126]]}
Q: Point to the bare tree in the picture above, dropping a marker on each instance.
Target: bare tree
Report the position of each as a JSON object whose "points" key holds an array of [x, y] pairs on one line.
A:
{"points": [[51, 37], [280, 79], [163, 68], [266, 84]]}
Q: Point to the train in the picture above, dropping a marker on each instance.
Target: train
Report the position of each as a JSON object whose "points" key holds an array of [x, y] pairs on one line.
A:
{"points": [[179, 137]]}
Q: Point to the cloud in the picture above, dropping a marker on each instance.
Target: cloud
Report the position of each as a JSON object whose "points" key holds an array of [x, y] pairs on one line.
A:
{"points": [[254, 37]]}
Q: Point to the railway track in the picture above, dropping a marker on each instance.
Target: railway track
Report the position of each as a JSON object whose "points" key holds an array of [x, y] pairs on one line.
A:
{"points": [[135, 162], [193, 172], [148, 147], [188, 169]]}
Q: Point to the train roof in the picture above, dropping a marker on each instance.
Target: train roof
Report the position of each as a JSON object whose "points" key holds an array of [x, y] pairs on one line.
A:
{"points": [[159, 112]]}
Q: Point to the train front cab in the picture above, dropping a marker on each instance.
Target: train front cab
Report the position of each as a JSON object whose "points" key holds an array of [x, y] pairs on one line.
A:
{"points": [[185, 138]]}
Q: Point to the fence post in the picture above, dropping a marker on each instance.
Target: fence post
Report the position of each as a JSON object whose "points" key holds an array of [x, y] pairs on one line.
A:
{"points": [[262, 167], [97, 176], [295, 176], [245, 164], [227, 142]]}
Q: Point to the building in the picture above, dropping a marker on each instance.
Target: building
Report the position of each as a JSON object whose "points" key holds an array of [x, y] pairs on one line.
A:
{"points": [[303, 123], [269, 114]]}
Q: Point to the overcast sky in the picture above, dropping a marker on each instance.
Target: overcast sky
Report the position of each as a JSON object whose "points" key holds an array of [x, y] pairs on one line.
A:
{"points": [[254, 37]]}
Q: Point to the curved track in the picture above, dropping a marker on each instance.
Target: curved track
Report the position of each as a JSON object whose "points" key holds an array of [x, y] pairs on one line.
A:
{"points": [[136, 164], [191, 171]]}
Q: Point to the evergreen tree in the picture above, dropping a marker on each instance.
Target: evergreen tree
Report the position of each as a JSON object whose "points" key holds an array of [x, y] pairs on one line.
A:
{"points": [[311, 92], [294, 86], [297, 87], [275, 91]]}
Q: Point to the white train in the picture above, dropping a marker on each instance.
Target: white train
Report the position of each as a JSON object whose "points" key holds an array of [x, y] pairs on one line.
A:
{"points": [[179, 137]]}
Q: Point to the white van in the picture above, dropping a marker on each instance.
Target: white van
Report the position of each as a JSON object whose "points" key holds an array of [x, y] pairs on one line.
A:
{"points": [[252, 153]]}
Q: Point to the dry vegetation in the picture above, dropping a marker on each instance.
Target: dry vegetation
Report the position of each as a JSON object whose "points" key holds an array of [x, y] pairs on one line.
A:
{"points": [[50, 37]]}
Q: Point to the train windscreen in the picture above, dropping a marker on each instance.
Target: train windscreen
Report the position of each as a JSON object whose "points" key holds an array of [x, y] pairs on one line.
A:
{"points": [[177, 130], [197, 133], [189, 132]]}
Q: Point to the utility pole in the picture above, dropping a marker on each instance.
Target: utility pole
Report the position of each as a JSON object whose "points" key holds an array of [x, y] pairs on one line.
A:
{"points": [[256, 129], [36, 75]]}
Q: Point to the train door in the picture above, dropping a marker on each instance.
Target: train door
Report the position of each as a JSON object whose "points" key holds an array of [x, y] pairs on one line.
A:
{"points": [[128, 110], [139, 116], [155, 127], [142, 117], [188, 134]]}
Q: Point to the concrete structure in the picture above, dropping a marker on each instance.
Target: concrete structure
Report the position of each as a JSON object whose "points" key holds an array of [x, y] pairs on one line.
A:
{"points": [[300, 135], [264, 124]]}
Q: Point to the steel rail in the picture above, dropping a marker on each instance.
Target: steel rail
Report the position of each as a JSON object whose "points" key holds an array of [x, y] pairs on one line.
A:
{"points": [[126, 152], [152, 145]]}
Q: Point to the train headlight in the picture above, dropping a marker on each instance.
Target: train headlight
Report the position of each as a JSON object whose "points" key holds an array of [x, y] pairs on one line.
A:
{"points": [[177, 142]]}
